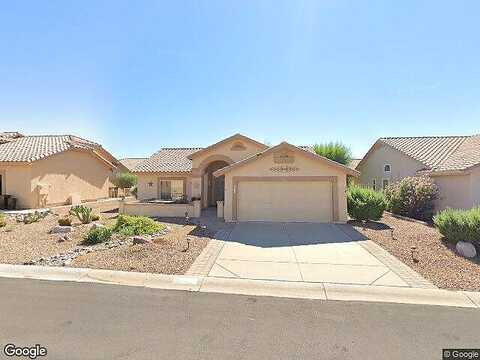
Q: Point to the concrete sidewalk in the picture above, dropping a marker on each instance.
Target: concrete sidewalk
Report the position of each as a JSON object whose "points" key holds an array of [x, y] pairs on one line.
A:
{"points": [[303, 290]]}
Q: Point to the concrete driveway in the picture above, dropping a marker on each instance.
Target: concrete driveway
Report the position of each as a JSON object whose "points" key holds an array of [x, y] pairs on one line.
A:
{"points": [[301, 252]]}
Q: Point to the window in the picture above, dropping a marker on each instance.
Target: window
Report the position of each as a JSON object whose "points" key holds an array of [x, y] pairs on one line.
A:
{"points": [[385, 183], [171, 190], [387, 168], [374, 184]]}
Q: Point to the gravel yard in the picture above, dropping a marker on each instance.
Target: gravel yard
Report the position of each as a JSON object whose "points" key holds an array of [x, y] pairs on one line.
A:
{"points": [[437, 260], [166, 255], [21, 243]]}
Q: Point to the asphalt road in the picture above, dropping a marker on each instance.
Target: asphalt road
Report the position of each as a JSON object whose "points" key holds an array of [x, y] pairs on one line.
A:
{"points": [[92, 321]]}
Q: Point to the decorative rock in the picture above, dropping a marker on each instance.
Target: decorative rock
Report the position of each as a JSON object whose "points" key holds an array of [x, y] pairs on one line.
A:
{"points": [[97, 226], [466, 249], [140, 240], [61, 229]]}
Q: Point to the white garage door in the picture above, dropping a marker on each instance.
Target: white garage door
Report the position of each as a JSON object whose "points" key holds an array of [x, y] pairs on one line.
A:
{"points": [[284, 201]]}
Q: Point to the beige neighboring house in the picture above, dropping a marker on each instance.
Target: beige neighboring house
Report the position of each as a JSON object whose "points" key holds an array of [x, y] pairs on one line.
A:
{"points": [[49, 170], [248, 180], [452, 161]]}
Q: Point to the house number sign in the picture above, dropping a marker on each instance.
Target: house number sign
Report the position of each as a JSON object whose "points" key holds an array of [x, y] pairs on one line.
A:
{"points": [[284, 169]]}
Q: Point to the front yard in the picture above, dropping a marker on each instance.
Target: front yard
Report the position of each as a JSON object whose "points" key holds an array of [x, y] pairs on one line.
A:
{"points": [[170, 251], [436, 259]]}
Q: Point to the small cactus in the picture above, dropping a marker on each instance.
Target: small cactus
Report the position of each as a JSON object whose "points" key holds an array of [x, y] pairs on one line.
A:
{"points": [[83, 213]]}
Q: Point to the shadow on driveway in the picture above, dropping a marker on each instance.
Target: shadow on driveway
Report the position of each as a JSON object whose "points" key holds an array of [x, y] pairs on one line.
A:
{"points": [[269, 234]]}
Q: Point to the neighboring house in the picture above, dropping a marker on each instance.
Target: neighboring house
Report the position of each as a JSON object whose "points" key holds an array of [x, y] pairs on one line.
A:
{"points": [[50, 170], [255, 182], [131, 163], [452, 161]]}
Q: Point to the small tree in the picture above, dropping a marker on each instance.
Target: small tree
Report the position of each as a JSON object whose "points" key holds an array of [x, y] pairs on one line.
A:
{"points": [[335, 151], [125, 180]]}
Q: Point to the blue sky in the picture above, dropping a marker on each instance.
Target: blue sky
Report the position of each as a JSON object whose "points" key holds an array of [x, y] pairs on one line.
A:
{"points": [[140, 75]]}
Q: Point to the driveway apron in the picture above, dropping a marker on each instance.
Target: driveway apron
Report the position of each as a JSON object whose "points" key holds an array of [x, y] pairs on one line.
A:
{"points": [[308, 252]]}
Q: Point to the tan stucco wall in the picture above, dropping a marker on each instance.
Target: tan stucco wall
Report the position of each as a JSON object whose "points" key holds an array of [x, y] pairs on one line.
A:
{"points": [[160, 210], [306, 167], [373, 166], [71, 172], [475, 186], [454, 192], [145, 191], [16, 182]]}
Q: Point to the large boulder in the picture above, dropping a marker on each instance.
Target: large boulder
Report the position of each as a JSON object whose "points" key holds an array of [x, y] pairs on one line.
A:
{"points": [[466, 249], [62, 229]]}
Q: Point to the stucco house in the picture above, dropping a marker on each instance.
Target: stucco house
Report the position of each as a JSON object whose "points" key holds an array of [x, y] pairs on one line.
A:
{"points": [[249, 180], [452, 161], [50, 170]]}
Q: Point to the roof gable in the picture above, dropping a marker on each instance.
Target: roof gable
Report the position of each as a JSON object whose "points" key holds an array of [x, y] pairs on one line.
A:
{"points": [[285, 145], [435, 153], [233, 139]]}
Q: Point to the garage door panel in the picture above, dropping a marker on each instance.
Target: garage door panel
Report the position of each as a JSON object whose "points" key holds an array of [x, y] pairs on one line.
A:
{"points": [[284, 201]]}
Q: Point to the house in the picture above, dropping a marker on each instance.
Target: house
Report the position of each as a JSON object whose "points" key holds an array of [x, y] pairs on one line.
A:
{"points": [[452, 161], [49, 170], [131, 163], [249, 180]]}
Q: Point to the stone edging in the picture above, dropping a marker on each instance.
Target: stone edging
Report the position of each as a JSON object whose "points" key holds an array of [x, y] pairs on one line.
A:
{"points": [[410, 276]]}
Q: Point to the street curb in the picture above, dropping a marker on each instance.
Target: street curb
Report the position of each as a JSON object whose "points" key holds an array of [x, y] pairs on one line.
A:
{"points": [[288, 289]]}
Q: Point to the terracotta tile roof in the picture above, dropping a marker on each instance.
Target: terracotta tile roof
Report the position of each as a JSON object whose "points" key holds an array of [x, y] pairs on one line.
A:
{"points": [[353, 163], [465, 156], [439, 153], [168, 160], [32, 148], [131, 163]]}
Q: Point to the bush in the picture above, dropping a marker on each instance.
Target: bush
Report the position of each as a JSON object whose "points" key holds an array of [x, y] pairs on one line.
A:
{"points": [[125, 180], [3, 220], [95, 217], [65, 221], [413, 197], [83, 213], [136, 225], [459, 225], [97, 235], [34, 217], [334, 151], [365, 203]]}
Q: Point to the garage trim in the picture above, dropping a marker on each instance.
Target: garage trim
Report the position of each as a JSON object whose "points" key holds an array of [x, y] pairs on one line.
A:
{"points": [[331, 179]]}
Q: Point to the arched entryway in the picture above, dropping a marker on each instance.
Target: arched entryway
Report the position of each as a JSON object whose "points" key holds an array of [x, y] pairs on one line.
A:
{"points": [[214, 187]]}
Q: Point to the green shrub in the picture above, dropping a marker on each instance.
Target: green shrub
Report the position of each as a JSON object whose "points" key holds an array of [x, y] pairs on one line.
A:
{"points": [[413, 197], [97, 235], [125, 180], [83, 213], [365, 203], [136, 225], [33, 217], [3, 220], [334, 151], [65, 221], [459, 225]]}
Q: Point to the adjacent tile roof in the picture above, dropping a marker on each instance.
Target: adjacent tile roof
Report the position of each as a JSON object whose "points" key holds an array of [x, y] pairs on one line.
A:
{"points": [[353, 163], [439, 153], [168, 160], [131, 163], [32, 148]]}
